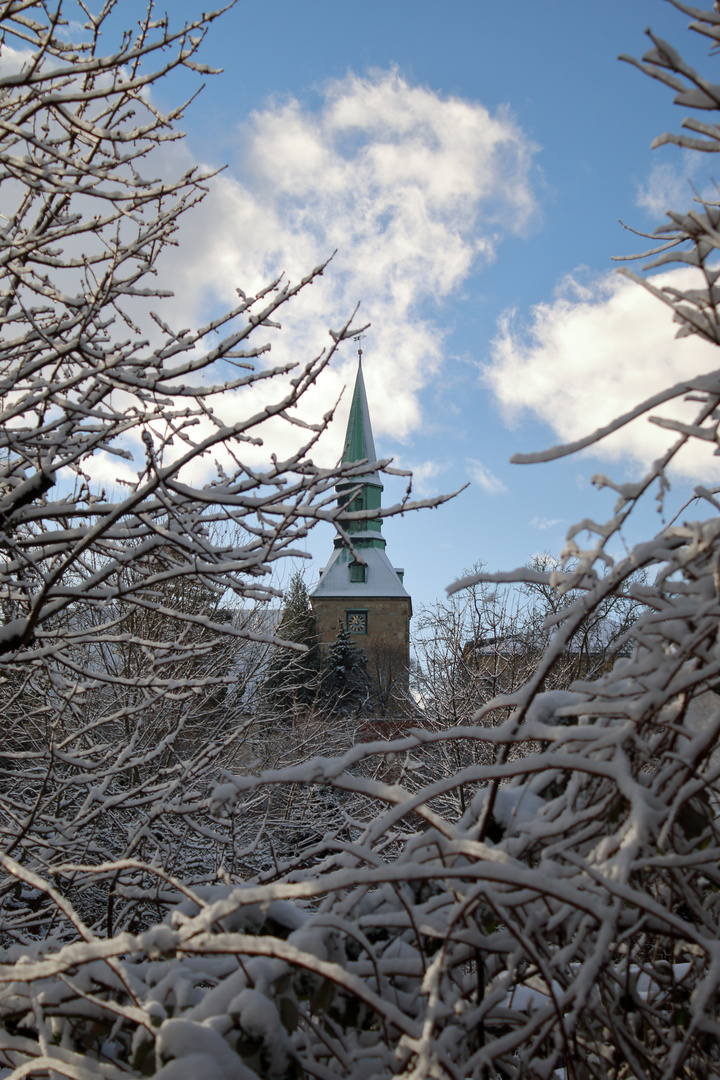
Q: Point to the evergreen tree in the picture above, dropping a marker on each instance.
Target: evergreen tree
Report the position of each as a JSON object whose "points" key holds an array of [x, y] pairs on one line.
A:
{"points": [[345, 682], [293, 677]]}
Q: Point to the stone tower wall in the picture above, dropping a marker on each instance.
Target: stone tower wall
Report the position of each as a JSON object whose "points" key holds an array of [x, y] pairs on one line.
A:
{"points": [[388, 619]]}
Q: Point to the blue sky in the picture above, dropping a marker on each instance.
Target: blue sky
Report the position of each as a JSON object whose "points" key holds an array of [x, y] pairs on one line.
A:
{"points": [[470, 163]]}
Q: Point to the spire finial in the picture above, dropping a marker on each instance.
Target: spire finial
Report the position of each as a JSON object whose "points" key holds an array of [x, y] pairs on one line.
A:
{"points": [[359, 338]]}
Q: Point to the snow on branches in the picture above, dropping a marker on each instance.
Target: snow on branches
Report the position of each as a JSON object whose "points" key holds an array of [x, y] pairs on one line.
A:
{"points": [[531, 892]]}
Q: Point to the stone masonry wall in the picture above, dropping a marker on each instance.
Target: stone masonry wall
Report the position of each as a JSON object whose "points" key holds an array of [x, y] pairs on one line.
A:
{"points": [[388, 618]]}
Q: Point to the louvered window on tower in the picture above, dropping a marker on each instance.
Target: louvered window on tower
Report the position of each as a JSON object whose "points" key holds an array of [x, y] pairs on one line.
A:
{"points": [[358, 572]]}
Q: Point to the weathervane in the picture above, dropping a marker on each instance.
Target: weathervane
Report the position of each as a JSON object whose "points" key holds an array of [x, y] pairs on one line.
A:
{"points": [[359, 338]]}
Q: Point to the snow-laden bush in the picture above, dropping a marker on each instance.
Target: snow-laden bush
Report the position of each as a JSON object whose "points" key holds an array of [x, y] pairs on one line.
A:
{"points": [[547, 908]]}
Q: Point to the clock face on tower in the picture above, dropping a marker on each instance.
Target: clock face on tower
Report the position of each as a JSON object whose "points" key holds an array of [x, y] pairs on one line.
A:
{"points": [[357, 622]]}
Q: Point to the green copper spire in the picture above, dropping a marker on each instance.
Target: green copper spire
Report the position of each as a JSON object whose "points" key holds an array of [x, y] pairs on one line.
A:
{"points": [[362, 571], [359, 442], [360, 446]]}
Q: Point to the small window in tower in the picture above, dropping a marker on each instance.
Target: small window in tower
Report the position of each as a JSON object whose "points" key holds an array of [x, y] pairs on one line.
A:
{"points": [[358, 573]]}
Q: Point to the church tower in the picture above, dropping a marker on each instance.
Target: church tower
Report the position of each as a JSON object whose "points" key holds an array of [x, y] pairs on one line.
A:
{"points": [[368, 598]]}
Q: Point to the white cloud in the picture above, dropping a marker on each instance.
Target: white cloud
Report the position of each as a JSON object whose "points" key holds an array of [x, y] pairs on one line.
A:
{"points": [[481, 475], [415, 191], [592, 354], [543, 523], [423, 473], [669, 184]]}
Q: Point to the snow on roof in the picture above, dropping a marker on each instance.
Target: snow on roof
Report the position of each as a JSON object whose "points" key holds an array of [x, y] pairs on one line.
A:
{"points": [[381, 578]]}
